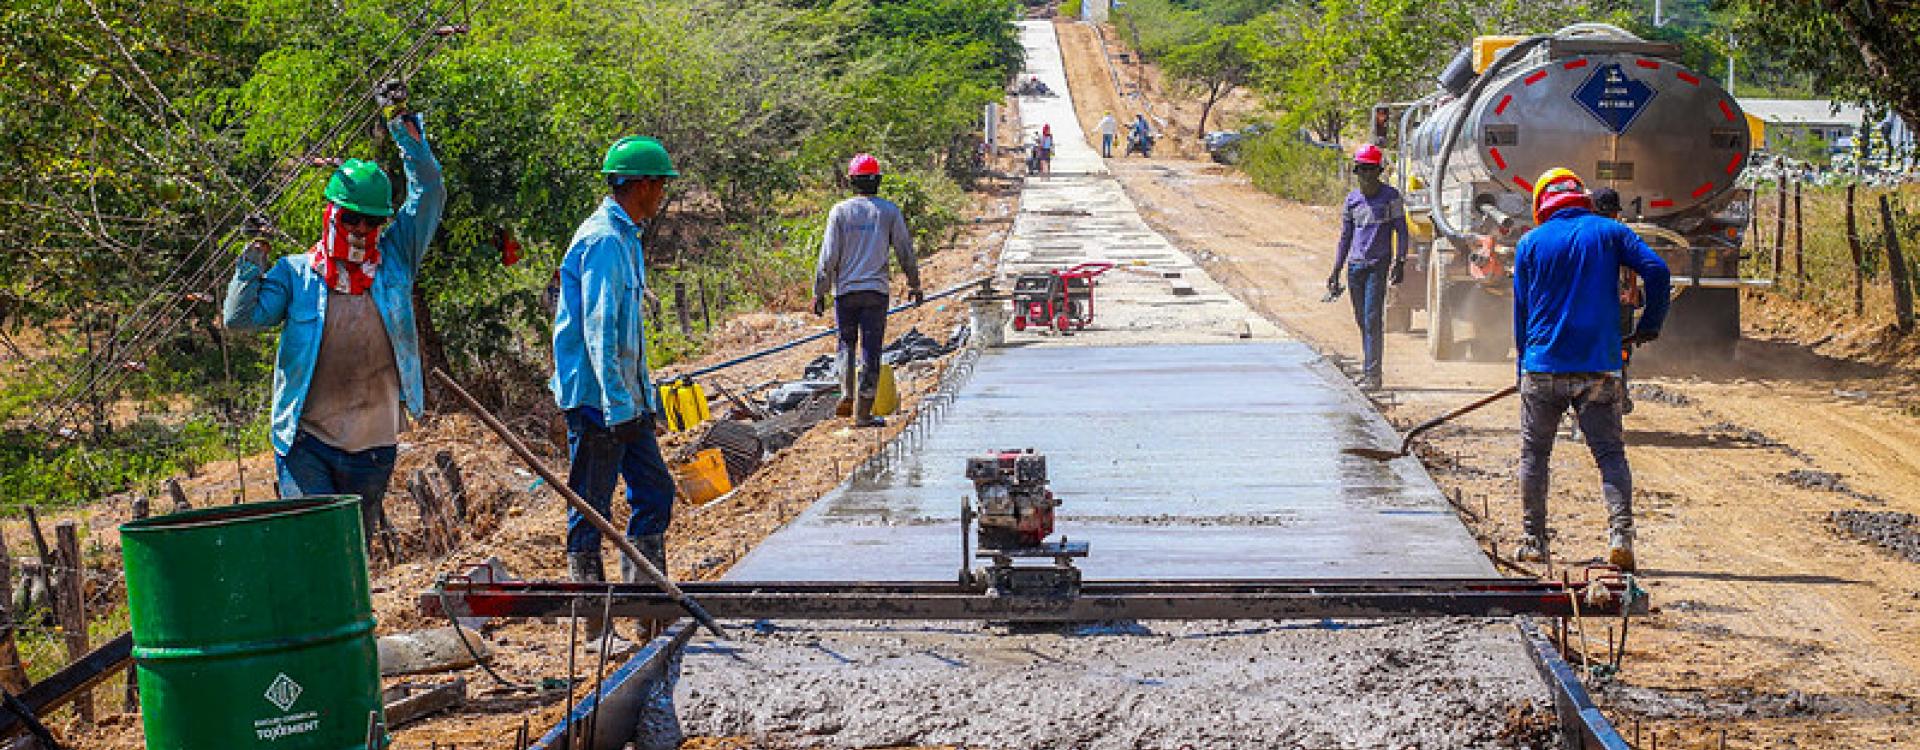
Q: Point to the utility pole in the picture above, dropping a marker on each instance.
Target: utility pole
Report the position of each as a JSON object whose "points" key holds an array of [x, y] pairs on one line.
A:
{"points": [[1733, 43], [1659, 17]]}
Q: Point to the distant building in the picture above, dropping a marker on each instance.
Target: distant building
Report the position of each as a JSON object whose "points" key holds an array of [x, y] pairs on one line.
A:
{"points": [[1794, 119]]}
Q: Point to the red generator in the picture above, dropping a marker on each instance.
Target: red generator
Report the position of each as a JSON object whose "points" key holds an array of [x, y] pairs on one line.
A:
{"points": [[1060, 299]]}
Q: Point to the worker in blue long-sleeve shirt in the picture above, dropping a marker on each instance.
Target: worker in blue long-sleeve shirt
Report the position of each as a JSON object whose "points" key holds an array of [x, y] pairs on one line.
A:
{"points": [[1373, 250], [1566, 326], [600, 369]]}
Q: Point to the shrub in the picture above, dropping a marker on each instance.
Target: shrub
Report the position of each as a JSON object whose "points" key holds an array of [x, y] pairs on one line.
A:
{"points": [[1282, 164]]}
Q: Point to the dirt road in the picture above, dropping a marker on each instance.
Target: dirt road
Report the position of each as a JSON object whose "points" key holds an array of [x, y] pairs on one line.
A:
{"points": [[1771, 625]]}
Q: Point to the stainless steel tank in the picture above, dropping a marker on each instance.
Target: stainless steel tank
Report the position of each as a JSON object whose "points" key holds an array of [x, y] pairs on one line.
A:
{"points": [[1614, 109]]}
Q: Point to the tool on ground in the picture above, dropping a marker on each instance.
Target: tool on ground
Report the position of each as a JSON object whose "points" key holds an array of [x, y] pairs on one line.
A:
{"points": [[600, 522], [1060, 299], [1013, 511], [1406, 441]]}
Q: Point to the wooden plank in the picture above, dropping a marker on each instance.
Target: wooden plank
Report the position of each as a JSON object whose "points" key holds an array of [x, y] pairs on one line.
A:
{"points": [[49, 695], [73, 612], [419, 705]]}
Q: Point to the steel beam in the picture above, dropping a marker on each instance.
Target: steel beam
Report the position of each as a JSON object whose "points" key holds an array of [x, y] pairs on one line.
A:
{"points": [[1096, 601], [1582, 726]]}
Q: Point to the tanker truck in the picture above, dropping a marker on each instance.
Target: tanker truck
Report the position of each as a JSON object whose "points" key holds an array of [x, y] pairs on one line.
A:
{"points": [[1621, 112]]}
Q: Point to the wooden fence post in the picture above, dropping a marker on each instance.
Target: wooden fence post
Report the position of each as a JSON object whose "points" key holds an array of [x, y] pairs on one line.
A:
{"points": [[1780, 231], [1799, 245], [73, 619], [1897, 265], [1859, 257], [13, 676], [706, 308]]}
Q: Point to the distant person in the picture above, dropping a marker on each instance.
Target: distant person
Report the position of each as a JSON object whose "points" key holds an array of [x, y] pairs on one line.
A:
{"points": [[600, 371], [1141, 136], [1566, 321], [347, 369], [1606, 202], [1043, 149], [1373, 251], [1109, 131], [853, 266]]}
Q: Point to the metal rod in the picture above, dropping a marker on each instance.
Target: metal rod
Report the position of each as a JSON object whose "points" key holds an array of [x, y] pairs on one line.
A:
{"points": [[600, 669], [586, 511], [573, 637]]}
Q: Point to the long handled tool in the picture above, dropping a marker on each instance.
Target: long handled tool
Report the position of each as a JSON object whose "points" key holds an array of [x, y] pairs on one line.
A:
{"points": [[593, 516], [1406, 441]]}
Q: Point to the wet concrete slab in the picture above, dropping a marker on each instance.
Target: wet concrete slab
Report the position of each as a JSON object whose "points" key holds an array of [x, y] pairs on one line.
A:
{"points": [[1174, 461]]}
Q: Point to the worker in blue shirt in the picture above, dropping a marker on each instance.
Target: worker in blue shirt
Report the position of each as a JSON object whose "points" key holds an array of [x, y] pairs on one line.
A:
{"points": [[600, 368], [1566, 326], [1373, 250], [347, 370]]}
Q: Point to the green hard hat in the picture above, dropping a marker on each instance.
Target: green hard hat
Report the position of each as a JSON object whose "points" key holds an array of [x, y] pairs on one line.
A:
{"points": [[638, 156], [361, 186]]}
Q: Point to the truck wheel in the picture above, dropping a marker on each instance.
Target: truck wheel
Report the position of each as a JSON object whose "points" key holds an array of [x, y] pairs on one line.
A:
{"points": [[1443, 300], [1701, 323]]}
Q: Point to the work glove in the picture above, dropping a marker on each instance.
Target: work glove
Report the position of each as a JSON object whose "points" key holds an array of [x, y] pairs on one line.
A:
{"points": [[1641, 338], [1397, 273], [391, 95], [914, 293], [629, 431], [819, 305], [1333, 288], [258, 253], [257, 228]]}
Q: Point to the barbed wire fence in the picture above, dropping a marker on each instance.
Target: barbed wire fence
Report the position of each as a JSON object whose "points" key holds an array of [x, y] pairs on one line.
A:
{"points": [[1848, 249]]}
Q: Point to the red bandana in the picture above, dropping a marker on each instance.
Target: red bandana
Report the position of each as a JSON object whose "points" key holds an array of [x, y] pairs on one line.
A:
{"points": [[347, 270]]}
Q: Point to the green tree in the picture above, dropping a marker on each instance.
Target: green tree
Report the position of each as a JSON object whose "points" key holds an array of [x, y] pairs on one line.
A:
{"points": [[1213, 67], [1859, 50]]}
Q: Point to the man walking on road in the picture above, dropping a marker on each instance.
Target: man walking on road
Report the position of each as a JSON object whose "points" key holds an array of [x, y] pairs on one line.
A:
{"points": [[348, 366], [1373, 248], [1109, 130], [600, 368], [1566, 321], [853, 266]]}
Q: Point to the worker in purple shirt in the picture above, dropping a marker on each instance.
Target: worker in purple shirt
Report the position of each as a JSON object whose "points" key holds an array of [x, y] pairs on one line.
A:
{"points": [[1373, 248]]}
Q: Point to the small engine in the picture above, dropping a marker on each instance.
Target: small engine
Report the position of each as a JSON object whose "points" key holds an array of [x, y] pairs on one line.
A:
{"points": [[1015, 506]]}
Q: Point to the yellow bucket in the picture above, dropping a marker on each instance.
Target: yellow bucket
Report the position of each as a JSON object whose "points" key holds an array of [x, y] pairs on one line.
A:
{"points": [[886, 399], [704, 478], [684, 404]]}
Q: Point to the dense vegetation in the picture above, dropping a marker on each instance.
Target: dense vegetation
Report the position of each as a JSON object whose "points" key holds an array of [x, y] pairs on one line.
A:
{"points": [[139, 133]]}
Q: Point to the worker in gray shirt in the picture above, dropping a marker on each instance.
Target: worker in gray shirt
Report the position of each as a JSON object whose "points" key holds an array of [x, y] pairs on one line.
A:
{"points": [[853, 265]]}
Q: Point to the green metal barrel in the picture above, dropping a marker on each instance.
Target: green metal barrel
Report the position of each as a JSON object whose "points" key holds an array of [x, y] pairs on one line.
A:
{"points": [[252, 626]]}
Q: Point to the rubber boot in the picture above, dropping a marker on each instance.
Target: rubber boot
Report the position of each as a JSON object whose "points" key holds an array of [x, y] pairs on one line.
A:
{"points": [[1620, 550], [844, 361], [654, 548], [863, 412], [588, 568]]}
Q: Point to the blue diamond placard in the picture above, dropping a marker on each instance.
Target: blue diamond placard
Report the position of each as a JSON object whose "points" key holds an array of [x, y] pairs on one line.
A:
{"points": [[1613, 97]]}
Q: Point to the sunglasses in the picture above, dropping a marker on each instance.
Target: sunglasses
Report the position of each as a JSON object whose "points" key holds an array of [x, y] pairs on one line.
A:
{"points": [[357, 219]]}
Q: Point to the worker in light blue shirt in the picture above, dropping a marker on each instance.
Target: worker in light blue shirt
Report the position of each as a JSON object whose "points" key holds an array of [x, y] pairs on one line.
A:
{"points": [[600, 367], [347, 370], [1566, 326]]}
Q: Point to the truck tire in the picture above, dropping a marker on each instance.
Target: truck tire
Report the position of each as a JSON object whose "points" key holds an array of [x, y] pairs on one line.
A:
{"points": [[1442, 301], [1492, 317], [1701, 323]]}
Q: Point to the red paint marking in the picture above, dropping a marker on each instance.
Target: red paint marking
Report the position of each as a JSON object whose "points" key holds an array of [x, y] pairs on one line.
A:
{"points": [[1663, 203], [1688, 77], [1574, 64], [1522, 182], [1648, 64], [1702, 190], [1497, 159], [1504, 101], [1726, 110], [1535, 78], [1733, 164]]}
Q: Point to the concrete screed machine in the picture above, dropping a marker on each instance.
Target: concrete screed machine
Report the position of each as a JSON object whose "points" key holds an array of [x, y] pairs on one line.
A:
{"points": [[1619, 111]]}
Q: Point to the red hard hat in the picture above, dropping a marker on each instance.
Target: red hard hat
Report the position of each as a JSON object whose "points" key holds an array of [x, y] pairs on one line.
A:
{"points": [[863, 164], [1368, 153], [1556, 189]]}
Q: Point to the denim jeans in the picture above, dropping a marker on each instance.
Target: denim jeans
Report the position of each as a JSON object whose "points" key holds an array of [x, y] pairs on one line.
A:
{"points": [[1106, 145], [1596, 399], [311, 467], [862, 317], [598, 458], [1367, 285]]}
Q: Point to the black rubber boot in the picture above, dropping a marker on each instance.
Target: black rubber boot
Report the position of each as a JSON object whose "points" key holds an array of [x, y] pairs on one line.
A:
{"points": [[654, 548]]}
